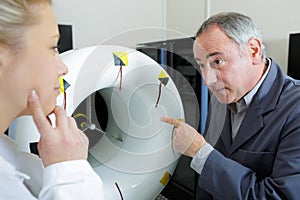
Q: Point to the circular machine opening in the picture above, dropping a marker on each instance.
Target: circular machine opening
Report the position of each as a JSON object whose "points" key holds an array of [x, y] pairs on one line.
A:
{"points": [[124, 120], [87, 120], [92, 117]]}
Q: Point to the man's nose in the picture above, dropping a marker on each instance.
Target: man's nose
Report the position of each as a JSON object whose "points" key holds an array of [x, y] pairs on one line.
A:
{"points": [[209, 76]]}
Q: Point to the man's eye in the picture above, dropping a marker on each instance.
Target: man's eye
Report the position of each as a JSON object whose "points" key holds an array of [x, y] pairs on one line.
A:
{"points": [[201, 65], [218, 62]]}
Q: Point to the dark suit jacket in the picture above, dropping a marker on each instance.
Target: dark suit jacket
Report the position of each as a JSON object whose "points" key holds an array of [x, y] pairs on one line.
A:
{"points": [[263, 162]]}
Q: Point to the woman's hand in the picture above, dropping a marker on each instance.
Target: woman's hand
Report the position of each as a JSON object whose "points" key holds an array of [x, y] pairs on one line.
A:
{"points": [[64, 142]]}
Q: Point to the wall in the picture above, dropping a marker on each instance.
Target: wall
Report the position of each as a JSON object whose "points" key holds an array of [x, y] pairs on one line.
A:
{"points": [[120, 22], [129, 22], [184, 17]]}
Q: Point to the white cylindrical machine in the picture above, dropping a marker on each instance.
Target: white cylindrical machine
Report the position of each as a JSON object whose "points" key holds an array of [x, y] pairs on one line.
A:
{"points": [[117, 96]]}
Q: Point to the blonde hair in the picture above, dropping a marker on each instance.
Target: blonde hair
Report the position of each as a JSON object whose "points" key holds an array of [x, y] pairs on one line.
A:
{"points": [[15, 16]]}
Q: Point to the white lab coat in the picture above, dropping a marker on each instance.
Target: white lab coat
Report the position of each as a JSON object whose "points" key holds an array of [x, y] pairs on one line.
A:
{"points": [[23, 177]]}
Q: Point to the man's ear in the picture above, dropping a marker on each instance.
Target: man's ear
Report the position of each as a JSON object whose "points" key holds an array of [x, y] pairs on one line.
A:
{"points": [[255, 50]]}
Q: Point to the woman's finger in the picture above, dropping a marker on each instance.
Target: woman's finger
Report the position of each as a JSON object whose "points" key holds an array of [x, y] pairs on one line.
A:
{"points": [[39, 117]]}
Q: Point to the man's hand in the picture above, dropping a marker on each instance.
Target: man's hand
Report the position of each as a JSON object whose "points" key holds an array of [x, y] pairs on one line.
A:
{"points": [[186, 139], [64, 142]]}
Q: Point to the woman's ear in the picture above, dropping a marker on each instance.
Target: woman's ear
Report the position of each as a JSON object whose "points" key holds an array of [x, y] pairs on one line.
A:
{"points": [[5, 55], [255, 49], [2, 54]]}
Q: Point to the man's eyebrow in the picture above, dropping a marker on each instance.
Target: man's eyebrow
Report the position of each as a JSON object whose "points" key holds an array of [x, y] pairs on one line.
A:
{"points": [[208, 56], [213, 54]]}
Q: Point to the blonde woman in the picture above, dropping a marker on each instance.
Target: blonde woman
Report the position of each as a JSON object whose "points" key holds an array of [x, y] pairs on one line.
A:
{"points": [[30, 68]]}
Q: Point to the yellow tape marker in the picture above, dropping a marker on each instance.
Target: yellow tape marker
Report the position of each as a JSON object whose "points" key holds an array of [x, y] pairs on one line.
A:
{"points": [[62, 87], [162, 75], [165, 179], [122, 56]]}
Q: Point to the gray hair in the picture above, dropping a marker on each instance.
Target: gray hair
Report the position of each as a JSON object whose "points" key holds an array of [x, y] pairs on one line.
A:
{"points": [[238, 27], [15, 16]]}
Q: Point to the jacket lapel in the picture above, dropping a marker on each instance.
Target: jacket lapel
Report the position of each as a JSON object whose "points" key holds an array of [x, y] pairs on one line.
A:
{"points": [[226, 132], [251, 124], [224, 143]]}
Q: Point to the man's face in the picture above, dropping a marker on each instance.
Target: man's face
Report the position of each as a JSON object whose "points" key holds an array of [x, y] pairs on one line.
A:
{"points": [[226, 69]]}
